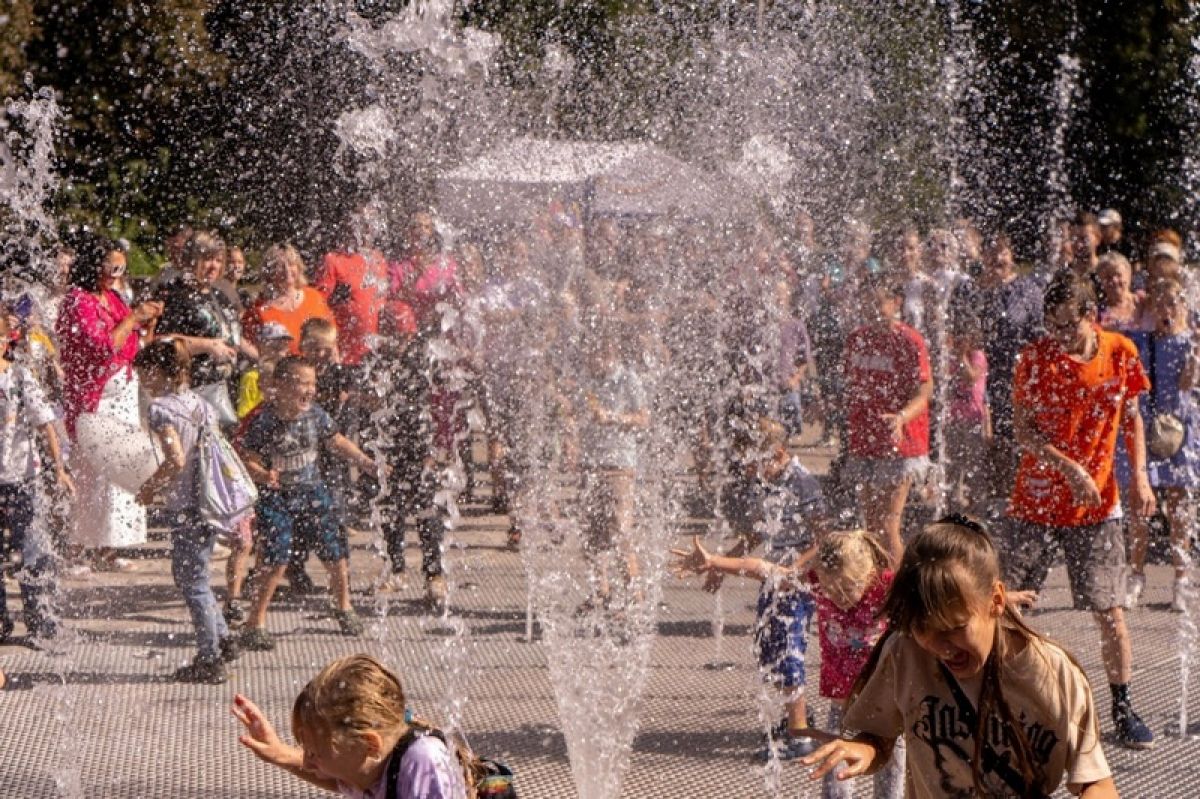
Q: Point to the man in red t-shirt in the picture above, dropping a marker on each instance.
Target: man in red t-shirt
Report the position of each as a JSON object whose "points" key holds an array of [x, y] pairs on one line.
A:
{"points": [[888, 384], [355, 286], [1075, 393]]}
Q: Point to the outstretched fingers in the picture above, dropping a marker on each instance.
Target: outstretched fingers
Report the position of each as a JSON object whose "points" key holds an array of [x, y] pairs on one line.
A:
{"points": [[834, 753]]}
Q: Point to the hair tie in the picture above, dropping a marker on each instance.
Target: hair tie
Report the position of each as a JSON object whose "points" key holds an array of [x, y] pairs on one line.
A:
{"points": [[408, 716]]}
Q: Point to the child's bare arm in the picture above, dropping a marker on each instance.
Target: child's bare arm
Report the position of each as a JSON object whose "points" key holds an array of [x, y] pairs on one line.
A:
{"points": [[261, 739], [168, 470], [347, 450], [698, 560], [258, 470], [60, 468]]}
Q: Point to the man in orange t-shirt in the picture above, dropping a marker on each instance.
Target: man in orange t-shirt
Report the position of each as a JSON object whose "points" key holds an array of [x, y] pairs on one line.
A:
{"points": [[1074, 395]]}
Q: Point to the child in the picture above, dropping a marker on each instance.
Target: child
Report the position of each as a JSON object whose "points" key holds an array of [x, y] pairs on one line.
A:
{"points": [[24, 411], [986, 705], [888, 384], [274, 343], [281, 446], [969, 424], [401, 434], [357, 738], [176, 414], [617, 411]]}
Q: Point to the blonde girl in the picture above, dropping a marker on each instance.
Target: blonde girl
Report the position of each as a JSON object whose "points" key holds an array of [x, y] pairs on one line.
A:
{"points": [[987, 706], [356, 738], [843, 579]]}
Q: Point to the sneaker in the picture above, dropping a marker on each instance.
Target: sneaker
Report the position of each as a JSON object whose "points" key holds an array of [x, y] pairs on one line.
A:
{"points": [[1134, 588], [1131, 731], [513, 541], [40, 626], [435, 593], [349, 622], [1181, 595], [206, 672], [234, 613], [230, 649], [256, 639], [6, 628], [787, 748]]}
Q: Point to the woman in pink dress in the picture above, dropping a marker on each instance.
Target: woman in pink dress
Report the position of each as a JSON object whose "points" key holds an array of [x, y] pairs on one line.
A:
{"points": [[98, 336]]}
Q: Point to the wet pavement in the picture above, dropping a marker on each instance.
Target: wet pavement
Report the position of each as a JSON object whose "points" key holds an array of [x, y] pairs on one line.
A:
{"points": [[100, 719]]}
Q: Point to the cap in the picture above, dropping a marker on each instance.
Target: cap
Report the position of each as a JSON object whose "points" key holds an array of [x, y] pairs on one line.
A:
{"points": [[1165, 249], [273, 331], [1110, 216]]}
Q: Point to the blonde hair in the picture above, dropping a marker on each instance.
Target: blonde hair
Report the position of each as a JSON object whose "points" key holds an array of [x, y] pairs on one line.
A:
{"points": [[855, 555], [358, 694], [281, 254], [318, 328], [354, 694]]}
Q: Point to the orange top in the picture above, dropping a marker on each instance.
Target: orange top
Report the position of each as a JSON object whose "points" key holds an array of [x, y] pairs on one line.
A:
{"points": [[1077, 406], [311, 306], [356, 288]]}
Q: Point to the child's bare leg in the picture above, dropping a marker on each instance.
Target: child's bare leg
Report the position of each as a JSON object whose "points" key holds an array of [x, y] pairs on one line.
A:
{"points": [[797, 709], [620, 490], [339, 582], [235, 568], [1179, 516], [1139, 543], [883, 513], [263, 589]]}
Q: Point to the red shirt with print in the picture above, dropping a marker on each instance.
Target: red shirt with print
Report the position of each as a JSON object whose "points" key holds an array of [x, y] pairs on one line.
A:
{"points": [[355, 287], [884, 368]]}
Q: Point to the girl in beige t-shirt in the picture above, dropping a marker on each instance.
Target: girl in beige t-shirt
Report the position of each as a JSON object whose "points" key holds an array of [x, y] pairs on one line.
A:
{"points": [[987, 706]]}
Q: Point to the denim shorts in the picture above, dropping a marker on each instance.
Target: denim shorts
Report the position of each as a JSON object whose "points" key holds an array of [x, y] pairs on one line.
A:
{"points": [[304, 512], [1094, 554]]}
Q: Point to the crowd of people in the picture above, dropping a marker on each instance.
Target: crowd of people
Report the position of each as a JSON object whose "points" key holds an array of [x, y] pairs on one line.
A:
{"points": [[1050, 403]]}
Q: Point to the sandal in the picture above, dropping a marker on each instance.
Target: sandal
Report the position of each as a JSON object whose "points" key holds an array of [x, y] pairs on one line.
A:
{"points": [[513, 542]]}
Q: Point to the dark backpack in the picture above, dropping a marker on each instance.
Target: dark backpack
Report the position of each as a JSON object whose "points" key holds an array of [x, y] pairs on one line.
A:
{"points": [[492, 779]]}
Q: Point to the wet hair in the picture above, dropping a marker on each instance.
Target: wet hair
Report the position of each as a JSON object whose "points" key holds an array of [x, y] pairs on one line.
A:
{"points": [[1071, 290], [166, 356], [351, 695], [887, 281], [200, 244], [357, 694], [318, 327], [853, 554], [998, 241], [1086, 219], [90, 251], [948, 569], [288, 366]]}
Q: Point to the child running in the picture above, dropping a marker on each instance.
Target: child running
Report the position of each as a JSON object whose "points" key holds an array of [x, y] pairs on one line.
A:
{"points": [[176, 414], [357, 738], [986, 705], [281, 446]]}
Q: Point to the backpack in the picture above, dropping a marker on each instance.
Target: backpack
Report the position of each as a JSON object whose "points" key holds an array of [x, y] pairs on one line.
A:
{"points": [[491, 778], [225, 493]]}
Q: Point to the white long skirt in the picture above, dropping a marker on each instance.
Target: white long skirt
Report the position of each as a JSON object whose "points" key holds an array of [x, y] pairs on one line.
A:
{"points": [[106, 515]]}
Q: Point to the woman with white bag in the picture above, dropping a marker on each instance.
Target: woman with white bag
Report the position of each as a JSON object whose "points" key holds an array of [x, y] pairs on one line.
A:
{"points": [[98, 336]]}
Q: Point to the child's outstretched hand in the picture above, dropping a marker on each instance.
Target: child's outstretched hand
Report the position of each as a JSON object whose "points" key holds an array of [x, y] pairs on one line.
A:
{"points": [[260, 736], [857, 756], [693, 561]]}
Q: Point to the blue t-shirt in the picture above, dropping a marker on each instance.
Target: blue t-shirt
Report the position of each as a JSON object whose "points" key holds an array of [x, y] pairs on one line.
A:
{"points": [[790, 504], [290, 446]]}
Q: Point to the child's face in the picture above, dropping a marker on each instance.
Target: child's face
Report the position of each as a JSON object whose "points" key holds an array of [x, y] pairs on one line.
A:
{"points": [[275, 349], [344, 762], [319, 349], [295, 391], [965, 647], [885, 305]]}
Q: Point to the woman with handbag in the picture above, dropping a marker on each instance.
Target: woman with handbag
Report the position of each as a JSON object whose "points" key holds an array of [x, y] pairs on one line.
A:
{"points": [[202, 317], [98, 337], [1169, 351]]}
